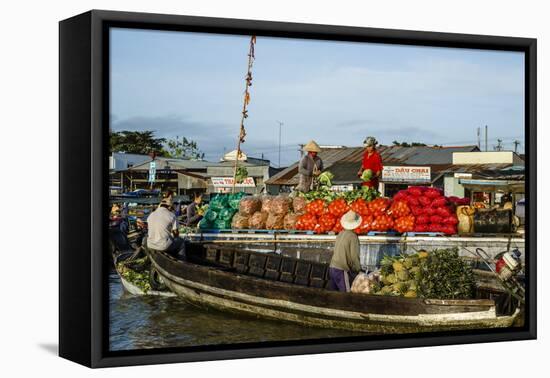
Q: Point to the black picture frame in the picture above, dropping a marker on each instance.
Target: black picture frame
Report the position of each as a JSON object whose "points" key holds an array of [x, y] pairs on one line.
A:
{"points": [[83, 141]]}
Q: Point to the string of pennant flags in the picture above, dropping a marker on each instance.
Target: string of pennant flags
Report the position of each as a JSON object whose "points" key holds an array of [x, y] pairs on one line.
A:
{"points": [[246, 102]]}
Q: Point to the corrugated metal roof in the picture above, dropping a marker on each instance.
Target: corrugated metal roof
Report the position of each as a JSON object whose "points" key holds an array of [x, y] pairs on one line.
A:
{"points": [[344, 162]]}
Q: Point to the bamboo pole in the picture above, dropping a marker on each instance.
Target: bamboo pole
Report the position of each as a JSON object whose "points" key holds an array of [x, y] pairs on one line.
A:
{"points": [[244, 114]]}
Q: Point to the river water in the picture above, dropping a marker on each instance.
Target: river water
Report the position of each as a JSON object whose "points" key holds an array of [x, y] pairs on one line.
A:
{"points": [[141, 322]]}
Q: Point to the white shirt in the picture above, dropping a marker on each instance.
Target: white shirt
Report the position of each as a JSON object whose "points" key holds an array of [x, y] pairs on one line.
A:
{"points": [[160, 224]]}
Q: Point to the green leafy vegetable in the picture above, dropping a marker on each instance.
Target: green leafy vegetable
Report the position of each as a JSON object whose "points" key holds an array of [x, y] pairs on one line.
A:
{"points": [[325, 178], [367, 175]]}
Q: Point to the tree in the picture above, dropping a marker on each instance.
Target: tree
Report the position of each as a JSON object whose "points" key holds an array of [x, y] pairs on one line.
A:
{"points": [[136, 142], [405, 144], [182, 149]]}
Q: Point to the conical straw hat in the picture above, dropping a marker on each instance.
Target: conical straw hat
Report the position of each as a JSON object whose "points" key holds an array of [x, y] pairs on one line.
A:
{"points": [[351, 220], [312, 147]]}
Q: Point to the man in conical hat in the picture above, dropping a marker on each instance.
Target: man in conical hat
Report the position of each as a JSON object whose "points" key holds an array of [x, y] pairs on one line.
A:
{"points": [[309, 167]]}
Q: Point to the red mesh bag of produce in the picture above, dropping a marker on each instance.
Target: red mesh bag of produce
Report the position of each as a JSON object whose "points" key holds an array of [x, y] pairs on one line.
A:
{"points": [[436, 219], [399, 209], [422, 219], [316, 207], [240, 221], [290, 221], [379, 206], [401, 195], [444, 212], [424, 201], [257, 220], [266, 203], [432, 193], [338, 207], [404, 224], [421, 227], [413, 201], [280, 205], [337, 227], [327, 221], [382, 223], [299, 205], [448, 229], [434, 227], [306, 222], [366, 225], [360, 206], [417, 210], [439, 202], [430, 211], [415, 191], [275, 221], [451, 220], [249, 205]]}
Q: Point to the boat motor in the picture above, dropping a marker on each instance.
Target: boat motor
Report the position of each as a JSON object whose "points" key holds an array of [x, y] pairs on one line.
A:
{"points": [[508, 264]]}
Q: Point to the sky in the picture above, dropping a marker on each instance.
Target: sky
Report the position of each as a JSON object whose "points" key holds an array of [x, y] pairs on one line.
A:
{"points": [[337, 93]]}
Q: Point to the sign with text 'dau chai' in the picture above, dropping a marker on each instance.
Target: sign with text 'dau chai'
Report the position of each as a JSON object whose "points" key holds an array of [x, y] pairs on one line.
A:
{"points": [[406, 174]]}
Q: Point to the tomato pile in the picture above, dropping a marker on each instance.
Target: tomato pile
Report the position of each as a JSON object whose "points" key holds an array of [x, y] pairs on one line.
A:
{"points": [[316, 207], [416, 209], [432, 211], [338, 207]]}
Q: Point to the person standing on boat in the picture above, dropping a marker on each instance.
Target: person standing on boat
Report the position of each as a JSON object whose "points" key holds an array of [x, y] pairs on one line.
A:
{"points": [[163, 234], [310, 166], [373, 161], [345, 263]]}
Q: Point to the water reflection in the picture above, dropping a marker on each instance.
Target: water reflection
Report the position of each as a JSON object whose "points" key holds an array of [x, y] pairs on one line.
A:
{"points": [[140, 322]]}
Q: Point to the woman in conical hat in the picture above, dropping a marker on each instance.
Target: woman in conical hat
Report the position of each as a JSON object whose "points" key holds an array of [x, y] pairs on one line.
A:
{"points": [[310, 165]]}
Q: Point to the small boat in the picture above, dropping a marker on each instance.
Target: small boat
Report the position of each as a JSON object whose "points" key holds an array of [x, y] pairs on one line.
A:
{"points": [[276, 287], [130, 286]]}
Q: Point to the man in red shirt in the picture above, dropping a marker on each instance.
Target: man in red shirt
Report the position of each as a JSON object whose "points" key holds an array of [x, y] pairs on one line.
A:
{"points": [[372, 161]]}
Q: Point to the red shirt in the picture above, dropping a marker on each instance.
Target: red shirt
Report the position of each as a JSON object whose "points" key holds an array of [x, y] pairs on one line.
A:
{"points": [[374, 163]]}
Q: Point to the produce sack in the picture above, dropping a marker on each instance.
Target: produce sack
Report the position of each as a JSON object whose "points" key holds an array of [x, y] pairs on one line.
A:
{"points": [[211, 215], [266, 203], [219, 202], [240, 221], [465, 217], [235, 199], [306, 221], [257, 220], [338, 207], [364, 284], [275, 221], [226, 214], [222, 224], [290, 221], [299, 205], [205, 224], [249, 205], [280, 205]]}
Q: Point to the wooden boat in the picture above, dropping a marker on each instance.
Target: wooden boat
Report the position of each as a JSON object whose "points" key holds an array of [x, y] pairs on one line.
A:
{"points": [[282, 288], [133, 289]]}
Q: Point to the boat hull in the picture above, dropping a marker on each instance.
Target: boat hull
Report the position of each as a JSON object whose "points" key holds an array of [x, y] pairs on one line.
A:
{"points": [[228, 291]]}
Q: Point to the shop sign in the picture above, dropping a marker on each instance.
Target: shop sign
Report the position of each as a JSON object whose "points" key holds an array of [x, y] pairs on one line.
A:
{"points": [[152, 171], [406, 174], [224, 182]]}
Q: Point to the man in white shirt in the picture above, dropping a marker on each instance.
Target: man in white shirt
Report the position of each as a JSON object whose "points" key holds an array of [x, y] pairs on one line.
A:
{"points": [[163, 232]]}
